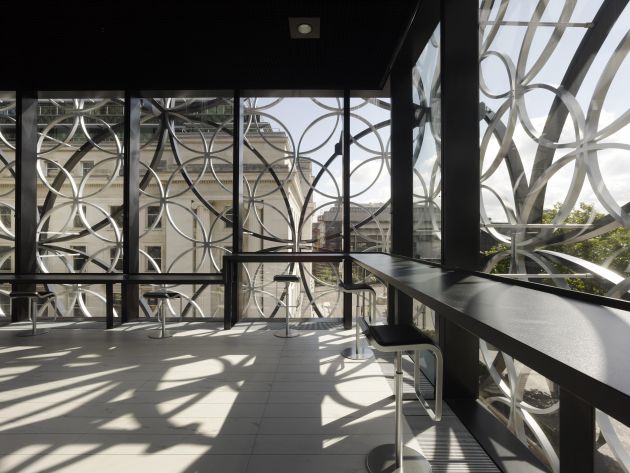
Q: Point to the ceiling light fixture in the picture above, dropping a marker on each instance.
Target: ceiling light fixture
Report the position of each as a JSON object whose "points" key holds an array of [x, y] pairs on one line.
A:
{"points": [[304, 28]]}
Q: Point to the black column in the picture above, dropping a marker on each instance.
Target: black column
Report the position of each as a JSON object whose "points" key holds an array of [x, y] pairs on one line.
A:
{"points": [[233, 293], [577, 434], [460, 179], [347, 264], [400, 306], [131, 204], [25, 196]]}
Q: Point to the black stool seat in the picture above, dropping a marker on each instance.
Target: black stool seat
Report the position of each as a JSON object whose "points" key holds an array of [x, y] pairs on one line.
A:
{"points": [[40, 294], [286, 278], [399, 339], [355, 287], [162, 294], [397, 336]]}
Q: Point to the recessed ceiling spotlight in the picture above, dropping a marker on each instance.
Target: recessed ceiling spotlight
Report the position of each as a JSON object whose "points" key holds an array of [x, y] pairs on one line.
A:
{"points": [[304, 27]]}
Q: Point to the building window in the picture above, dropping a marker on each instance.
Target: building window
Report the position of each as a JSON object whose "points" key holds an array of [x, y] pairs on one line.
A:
{"points": [[86, 167], [112, 257], [52, 169], [78, 258], [154, 259], [118, 217], [6, 264], [77, 311], [229, 218], [77, 222], [5, 216], [153, 216]]}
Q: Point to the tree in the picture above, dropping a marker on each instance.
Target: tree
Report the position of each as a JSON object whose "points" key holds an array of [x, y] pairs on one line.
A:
{"points": [[596, 249]]}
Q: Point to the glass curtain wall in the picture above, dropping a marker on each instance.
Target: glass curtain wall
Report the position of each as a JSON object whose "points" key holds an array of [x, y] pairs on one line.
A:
{"points": [[555, 142], [7, 195], [79, 196], [186, 196]]}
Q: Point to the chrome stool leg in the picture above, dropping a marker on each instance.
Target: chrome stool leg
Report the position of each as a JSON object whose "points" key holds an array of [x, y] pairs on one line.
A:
{"points": [[287, 332], [360, 351], [396, 458], [163, 333], [32, 315]]}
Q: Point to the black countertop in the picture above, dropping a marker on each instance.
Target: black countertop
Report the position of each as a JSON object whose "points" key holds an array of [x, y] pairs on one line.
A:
{"points": [[106, 278], [582, 346]]}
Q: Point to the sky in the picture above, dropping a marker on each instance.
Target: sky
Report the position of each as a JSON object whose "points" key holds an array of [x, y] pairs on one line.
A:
{"points": [[614, 163]]}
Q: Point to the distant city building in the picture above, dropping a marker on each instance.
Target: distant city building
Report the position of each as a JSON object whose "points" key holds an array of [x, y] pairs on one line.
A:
{"points": [[371, 229]]}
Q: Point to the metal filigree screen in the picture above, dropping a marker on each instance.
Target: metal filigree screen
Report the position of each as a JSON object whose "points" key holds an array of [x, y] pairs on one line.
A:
{"points": [[555, 142], [79, 195], [186, 195], [7, 194]]}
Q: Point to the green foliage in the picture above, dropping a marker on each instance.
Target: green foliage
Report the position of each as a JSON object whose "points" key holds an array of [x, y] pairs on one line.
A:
{"points": [[596, 249]]}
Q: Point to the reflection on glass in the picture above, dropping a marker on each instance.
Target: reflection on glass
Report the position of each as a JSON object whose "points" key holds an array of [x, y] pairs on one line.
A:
{"points": [[427, 175], [370, 176]]}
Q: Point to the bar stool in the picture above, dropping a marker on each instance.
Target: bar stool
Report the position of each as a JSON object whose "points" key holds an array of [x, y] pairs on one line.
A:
{"points": [[164, 295], [32, 297], [287, 279], [360, 351], [396, 458]]}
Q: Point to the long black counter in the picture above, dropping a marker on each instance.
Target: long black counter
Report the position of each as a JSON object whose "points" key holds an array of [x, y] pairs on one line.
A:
{"points": [[584, 347], [109, 280]]}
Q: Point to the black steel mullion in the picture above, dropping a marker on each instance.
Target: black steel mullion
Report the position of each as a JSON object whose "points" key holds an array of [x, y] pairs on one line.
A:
{"points": [[347, 264], [233, 306], [131, 205], [25, 196], [401, 183], [237, 174], [460, 134], [577, 434], [459, 65]]}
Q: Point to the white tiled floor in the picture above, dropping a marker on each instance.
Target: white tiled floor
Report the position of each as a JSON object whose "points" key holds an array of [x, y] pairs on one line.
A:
{"points": [[88, 400]]}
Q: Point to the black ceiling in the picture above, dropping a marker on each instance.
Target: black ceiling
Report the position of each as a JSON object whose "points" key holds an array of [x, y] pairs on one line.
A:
{"points": [[188, 44]]}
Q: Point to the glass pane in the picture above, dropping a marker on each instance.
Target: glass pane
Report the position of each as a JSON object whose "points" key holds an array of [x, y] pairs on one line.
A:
{"points": [[612, 445], [554, 138], [427, 174], [370, 177], [185, 184], [554, 147], [79, 167], [292, 199], [362, 276], [197, 301], [7, 191], [524, 400]]}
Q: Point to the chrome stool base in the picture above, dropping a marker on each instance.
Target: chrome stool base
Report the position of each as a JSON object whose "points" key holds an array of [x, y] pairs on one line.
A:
{"points": [[382, 459], [286, 333], [162, 334], [32, 333], [164, 296], [364, 353]]}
